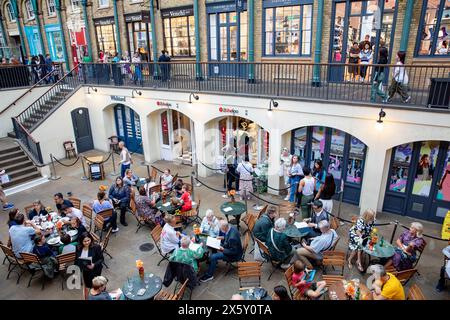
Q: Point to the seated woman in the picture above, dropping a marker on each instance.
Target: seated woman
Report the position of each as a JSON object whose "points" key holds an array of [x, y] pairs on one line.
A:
{"points": [[177, 186], [67, 245], [145, 207], [185, 255], [407, 245], [102, 203], [76, 224], [46, 255], [280, 293], [278, 243], [166, 180], [170, 239], [120, 195], [210, 224], [311, 290], [186, 199], [38, 210]]}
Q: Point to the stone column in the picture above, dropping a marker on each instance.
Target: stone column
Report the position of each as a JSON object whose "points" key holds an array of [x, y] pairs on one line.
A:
{"points": [[122, 28], [117, 26], [42, 36], [3, 30], [19, 21], [62, 21], [274, 160]]}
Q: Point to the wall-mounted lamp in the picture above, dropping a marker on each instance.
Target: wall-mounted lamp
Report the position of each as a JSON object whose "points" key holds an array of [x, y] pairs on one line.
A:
{"points": [[272, 104], [133, 98], [89, 90], [381, 115], [193, 95]]}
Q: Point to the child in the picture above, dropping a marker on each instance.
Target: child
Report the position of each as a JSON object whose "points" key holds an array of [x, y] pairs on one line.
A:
{"points": [[311, 290], [186, 198], [178, 185]]}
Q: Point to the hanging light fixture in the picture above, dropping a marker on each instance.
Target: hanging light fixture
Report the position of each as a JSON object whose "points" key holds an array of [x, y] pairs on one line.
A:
{"points": [[272, 104], [379, 124], [193, 95], [89, 91], [133, 98]]}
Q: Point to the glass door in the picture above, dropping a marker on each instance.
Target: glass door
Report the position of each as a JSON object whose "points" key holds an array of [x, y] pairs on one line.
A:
{"points": [[128, 128], [166, 152], [441, 197]]}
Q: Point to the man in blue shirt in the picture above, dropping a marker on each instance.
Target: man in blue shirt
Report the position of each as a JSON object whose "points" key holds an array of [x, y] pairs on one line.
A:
{"points": [[21, 235], [60, 201]]}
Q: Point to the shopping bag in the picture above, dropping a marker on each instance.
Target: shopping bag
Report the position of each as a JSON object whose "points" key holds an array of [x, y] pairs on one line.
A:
{"points": [[257, 253], [4, 179]]}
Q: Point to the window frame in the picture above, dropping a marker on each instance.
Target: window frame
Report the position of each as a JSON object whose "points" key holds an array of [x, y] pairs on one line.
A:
{"points": [[10, 12], [103, 6], [51, 14], [29, 16], [274, 31], [440, 14], [189, 36], [75, 8]]}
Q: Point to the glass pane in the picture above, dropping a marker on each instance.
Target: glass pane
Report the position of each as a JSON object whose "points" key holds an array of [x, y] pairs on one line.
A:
{"points": [[213, 36], [400, 168], [356, 7], [338, 38], [269, 19], [442, 47], [233, 42], [223, 132], [164, 128], [336, 153], [386, 29], [128, 125], [120, 121], [429, 27], [317, 144], [223, 18], [300, 144], [425, 168], [355, 161], [243, 40], [137, 126], [444, 183], [223, 43]]}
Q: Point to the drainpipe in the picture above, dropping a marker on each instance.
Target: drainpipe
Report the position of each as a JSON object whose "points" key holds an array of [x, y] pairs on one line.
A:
{"points": [[251, 40], [406, 25], [86, 28], [155, 43], [38, 23], [63, 37], [198, 68], [116, 23], [19, 26], [318, 50]]}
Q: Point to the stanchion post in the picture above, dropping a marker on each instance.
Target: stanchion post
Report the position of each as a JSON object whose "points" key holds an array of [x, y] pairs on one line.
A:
{"points": [[393, 232], [192, 184], [84, 177], [341, 196], [148, 170], [114, 173], [53, 176], [226, 184], [246, 206]]}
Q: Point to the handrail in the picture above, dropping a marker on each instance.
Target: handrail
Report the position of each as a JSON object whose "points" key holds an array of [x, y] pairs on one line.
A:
{"points": [[50, 89], [30, 89]]}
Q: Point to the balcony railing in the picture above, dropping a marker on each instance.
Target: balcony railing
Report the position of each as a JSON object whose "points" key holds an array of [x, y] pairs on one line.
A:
{"points": [[16, 76], [428, 85]]}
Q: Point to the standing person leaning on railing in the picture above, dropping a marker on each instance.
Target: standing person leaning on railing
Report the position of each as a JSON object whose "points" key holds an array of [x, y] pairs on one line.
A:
{"points": [[378, 78], [400, 79]]}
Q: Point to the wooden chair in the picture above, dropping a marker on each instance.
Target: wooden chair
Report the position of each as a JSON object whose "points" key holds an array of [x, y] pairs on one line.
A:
{"points": [[265, 253], [76, 202], [114, 143], [70, 149], [164, 295], [330, 279], [64, 261], [192, 215], [333, 259], [15, 264], [34, 266], [105, 214], [288, 276], [251, 223], [262, 211], [419, 253], [156, 236], [104, 244], [334, 223], [87, 213], [405, 275], [180, 294], [153, 174], [155, 188], [99, 224], [230, 264], [249, 274], [415, 293]]}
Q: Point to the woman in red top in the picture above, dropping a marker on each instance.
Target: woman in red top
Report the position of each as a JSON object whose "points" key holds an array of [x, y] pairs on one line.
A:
{"points": [[310, 290], [186, 198]]}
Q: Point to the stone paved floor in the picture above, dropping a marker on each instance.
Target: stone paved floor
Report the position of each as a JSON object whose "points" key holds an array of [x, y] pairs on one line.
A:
{"points": [[124, 246]]}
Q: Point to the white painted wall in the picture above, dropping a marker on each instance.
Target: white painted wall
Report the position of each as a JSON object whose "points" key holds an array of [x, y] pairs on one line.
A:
{"points": [[401, 126], [9, 96]]}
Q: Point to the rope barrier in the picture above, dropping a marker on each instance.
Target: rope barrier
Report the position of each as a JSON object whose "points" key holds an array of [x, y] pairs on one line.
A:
{"points": [[282, 189], [211, 188], [92, 162], [425, 235], [160, 171], [275, 204], [66, 165]]}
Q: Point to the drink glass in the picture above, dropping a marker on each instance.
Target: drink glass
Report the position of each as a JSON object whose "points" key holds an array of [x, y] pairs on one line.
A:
{"points": [[258, 295], [146, 280], [129, 286]]}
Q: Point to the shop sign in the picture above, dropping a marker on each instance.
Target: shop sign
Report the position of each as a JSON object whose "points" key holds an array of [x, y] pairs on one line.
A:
{"points": [[163, 104], [177, 12], [104, 21], [228, 110], [118, 98], [276, 3], [143, 16], [221, 6]]}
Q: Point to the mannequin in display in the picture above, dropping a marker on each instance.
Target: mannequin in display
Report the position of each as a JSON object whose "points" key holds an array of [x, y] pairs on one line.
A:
{"points": [[247, 141]]}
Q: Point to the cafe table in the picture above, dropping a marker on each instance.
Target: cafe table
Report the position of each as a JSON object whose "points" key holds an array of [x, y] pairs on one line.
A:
{"points": [[379, 251], [165, 207], [235, 209], [151, 288], [336, 291], [256, 293], [293, 232]]}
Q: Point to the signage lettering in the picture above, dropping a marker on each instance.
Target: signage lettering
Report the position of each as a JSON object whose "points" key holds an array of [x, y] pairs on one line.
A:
{"points": [[143, 16], [118, 98], [228, 110], [104, 21], [179, 12], [163, 104]]}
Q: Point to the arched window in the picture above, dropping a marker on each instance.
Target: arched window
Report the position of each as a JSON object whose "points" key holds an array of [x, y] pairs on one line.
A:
{"points": [[11, 15], [51, 8], [29, 8]]}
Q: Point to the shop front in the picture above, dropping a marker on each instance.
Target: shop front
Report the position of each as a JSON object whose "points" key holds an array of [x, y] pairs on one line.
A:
{"points": [[128, 127], [55, 42], [227, 34], [139, 34], [77, 36], [179, 31], [105, 33], [177, 135], [419, 180], [353, 21], [342, 155], [34, 43]]}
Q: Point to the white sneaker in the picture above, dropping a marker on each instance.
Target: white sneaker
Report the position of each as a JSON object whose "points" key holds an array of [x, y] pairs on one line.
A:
{"points": [[115, 230], [287, 198]]}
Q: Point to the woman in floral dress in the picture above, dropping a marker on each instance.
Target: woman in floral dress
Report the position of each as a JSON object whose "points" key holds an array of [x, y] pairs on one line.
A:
{"points": [[358, 236]]}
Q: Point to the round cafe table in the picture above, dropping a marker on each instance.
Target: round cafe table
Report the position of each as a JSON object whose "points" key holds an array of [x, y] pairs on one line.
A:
{"points": [[336, 291], [250, 293], [292, 232], [379, 252], [235, 209], [153, 287], [166, 209]]}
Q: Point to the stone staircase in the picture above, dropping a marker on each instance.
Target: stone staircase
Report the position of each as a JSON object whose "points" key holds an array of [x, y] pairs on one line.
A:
{"points": [[17, 164]]}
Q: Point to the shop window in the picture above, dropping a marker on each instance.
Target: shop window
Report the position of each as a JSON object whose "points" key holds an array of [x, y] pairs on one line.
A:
{"points": [[433, 35], [288, 30], [213, 36], [300, 144], [75, 5], [223, 133], [179, 36], [137, 33], [11, 15], [165, 128], [106, 36], [336, 157], [425, 168], [30, 11], [51, 7], [444, 182], [400, 168], [317, 144], [103, 3], [355, 161]]}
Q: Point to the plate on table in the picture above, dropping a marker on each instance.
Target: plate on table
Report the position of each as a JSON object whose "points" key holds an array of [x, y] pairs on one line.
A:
{"points": [[54, 241], [47, 225], [65, 219], [72, 233]]}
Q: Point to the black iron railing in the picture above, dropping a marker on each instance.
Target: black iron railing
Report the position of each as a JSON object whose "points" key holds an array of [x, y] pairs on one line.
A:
{"points": [[27, 140], [16, 76], [428, 85]]}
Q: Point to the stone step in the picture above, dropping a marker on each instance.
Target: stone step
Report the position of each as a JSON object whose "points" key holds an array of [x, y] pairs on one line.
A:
{"points": [[21, 172], [12, 134], [9, 150], [12, 154], [18, 165], [22, 179], [10, 161]]}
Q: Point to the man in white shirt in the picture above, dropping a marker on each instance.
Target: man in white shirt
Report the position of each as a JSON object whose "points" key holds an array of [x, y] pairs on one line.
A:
{"points": [[166, 180], [125, 159], [445, 269], [74, 212]]}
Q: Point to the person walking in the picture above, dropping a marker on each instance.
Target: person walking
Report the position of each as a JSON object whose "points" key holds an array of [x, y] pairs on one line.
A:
{"points": [[136, 68], [5, 204], [49, 68], [306, 189], [125, 159], [400, 79], [295, 174], [365, 57], [164, 60], [378, 78]]}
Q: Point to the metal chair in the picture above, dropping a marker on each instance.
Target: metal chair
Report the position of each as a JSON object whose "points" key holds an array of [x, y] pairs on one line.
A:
{"points": [[230, 264], [265, 253], [87, 213], [34, 266], [405, 275], [333, 259], [331, 279], [415, 293], [164, 295], [104, 244], [192, 215], [76, 202]]}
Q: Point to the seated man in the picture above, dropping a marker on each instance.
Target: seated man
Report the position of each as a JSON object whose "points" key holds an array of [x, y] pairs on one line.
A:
{"points": [[231, 249], [21, 235], [278, 243], [387, 286], [130, 178], [185, 255], [444, 269], [318, 215], [166, 180], [210, 224], [264, 224], [72, 212], [60, 201], [318, 245]]}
